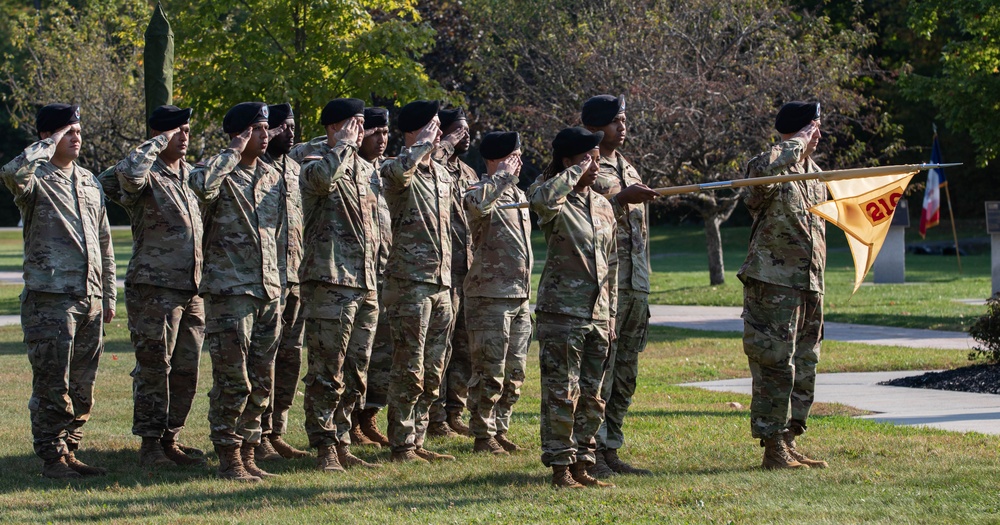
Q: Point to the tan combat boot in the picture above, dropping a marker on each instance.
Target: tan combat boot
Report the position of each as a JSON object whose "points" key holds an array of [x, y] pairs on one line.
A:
{"points": [[266, 452], [348, 460], [328, 460], [58, 469], [800, 457], [231, 464], [83, 468], [190, 451], [441, 429], [455, 422], [174, 453], [489, 445], [432, 456], [579, 472], [369, 426], [287, 451], [776, 454], [600, 469], [562, 479], [357, 436], [407, 456], [250, 464], [151, 454], [507, 444], [620, 467]]}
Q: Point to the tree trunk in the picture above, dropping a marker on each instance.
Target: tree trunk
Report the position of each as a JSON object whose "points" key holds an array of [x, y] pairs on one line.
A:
{"points": [[713, 244]]}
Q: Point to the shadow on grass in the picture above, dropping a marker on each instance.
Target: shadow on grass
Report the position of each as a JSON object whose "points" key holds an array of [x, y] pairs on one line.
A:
{"points": [[16, 347]]}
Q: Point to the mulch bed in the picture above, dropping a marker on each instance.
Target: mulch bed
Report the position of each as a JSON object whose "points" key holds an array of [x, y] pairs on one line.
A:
{"points": [[982, 379]]}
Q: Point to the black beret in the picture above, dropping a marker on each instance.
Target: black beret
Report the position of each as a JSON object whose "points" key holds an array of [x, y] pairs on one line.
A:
{"points": [[450, 116], [599, 111], [55, 116], [574, 141], [795, 115], [166, 118], [417, 114], [278, 114], [499, 144], [376, 118], [243, 115], [340, 109]]}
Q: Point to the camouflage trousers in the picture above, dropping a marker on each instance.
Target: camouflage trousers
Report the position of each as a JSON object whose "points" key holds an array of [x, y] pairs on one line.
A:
{"points": [[499, 335], [573, 356], [457, 364], [380, 362], [64, 335], [782, 330], [287, 364], [167, 328], [632, 325], [241, 332], [340, 327], [420, 322]]}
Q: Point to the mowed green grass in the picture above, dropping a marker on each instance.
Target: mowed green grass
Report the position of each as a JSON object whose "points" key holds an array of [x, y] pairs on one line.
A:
{"points": [[696, 443]]}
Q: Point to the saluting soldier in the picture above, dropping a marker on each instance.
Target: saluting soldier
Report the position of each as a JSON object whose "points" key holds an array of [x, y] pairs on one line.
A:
{"points": [[619, 181], [242, 283], [288, 358], [69, 285], [166, 316], [418, 277], [339, 273], [577, 297], [496, 293], [783, 288], [364, 420], [446, 412]]}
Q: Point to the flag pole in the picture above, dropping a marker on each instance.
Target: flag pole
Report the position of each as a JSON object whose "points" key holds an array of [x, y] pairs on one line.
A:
{"points": [[954, 233]]}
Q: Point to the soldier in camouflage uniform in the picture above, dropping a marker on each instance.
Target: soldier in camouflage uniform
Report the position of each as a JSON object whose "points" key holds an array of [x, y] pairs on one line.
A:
{"points": [[288, 359], [166, 317], [339, 281], [783, 288], [621, 184], [418, 277], [364, 429], [497, 290], [242, 281], [446, 412], [577, 296], [69, 285]]}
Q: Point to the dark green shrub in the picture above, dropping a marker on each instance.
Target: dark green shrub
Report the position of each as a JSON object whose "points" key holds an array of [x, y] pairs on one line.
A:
{"points": [[986, 332]]}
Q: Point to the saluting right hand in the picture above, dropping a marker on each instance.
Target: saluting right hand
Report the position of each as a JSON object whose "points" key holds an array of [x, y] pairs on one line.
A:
{"points": [[240, 141], [350, 131], [429, 133], [59, 133], [511, 164], [170, 133]]}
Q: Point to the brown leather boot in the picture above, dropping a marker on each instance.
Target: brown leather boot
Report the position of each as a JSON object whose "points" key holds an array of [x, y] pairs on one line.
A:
{"points": [[369, 426], [174, 453], [776, 454], [489, 445], [58, 469], [231, 464], [562, 479], [190, 451], [800, 457], [441, 429], [250, 464], [620, 467], [407, 456], [83, 468], [348, 460], [432, 456], [579, 472], [151, 454], [284, 449], [600, 468], [328, 460], [357, 436], [265, 452], [508, 445], [455, 422]]}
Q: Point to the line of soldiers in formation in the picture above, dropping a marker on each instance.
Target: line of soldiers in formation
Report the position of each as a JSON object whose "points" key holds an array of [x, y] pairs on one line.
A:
{"points": [[408, 278]]}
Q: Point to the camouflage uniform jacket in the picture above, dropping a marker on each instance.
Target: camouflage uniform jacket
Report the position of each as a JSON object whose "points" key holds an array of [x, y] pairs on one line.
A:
{"points": [[289, 169], [787, 242], [67, 239], [303, 149], [341, 218], [165, 215], [384, 217], [462, 176], [580, 277], [501, 239], [245, 234], [633, 237], [419, 198]]}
